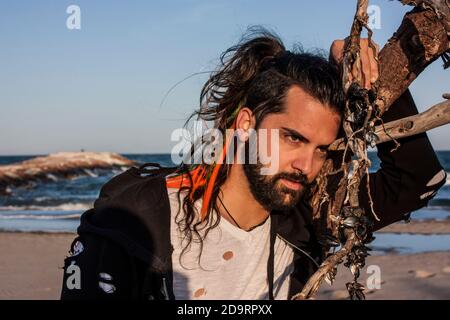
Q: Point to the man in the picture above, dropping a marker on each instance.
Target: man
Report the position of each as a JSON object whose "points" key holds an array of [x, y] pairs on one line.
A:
{"points": [[227, 231]]}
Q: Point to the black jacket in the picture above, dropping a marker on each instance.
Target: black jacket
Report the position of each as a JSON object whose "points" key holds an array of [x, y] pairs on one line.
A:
{"points": [[123, 248]]}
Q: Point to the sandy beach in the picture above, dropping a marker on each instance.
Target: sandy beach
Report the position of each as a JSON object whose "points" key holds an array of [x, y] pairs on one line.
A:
{"points": [[30, 265], [424, 276], [30, 268], [419, 227]]}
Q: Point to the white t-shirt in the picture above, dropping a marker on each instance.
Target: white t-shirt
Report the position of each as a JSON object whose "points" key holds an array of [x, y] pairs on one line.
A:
{"points": [[233, 264]]}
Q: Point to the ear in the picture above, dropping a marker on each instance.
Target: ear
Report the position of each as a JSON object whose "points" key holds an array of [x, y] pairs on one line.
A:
{"points": [[245, 120]]}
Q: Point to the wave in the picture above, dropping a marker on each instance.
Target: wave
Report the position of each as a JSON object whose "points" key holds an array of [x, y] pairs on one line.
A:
{"points": [[61, 207], [90, 173], [41, 217]]}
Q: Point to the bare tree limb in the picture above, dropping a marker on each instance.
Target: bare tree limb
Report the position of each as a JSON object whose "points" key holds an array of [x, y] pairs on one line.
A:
{"points": [[422, 37], [436, 116], [313, 283]]}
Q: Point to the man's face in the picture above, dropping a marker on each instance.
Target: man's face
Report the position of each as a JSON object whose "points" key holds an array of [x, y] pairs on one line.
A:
{"points": [[306, 129]]}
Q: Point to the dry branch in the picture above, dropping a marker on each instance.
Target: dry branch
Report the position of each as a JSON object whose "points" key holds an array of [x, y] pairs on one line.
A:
{"points": [[422, 37], [436, 116], [319, 275]]}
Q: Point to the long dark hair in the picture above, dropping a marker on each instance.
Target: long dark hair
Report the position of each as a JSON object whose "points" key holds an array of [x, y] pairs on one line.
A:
{"points": [[257, 73]]}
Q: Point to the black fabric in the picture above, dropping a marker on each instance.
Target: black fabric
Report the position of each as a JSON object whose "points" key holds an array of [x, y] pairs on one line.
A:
{"points": [[131, 215], [127, 233], [99, 256]]}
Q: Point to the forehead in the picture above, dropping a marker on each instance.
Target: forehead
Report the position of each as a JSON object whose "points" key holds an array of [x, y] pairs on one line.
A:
{"points": [[305, 114]]}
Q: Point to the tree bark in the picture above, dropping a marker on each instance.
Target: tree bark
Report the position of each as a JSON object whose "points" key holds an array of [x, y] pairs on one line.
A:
{"points": [[435, 116], [421, 39]]}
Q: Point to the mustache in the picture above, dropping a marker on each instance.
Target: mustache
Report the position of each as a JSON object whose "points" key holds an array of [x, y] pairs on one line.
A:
{"points": [[295, 177]]}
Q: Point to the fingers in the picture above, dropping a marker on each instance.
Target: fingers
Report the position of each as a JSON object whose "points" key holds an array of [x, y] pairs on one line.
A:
{"points": [[369, 64], [365, 63], [373, 58], [337, 55], [367, 70], [337, 51]]}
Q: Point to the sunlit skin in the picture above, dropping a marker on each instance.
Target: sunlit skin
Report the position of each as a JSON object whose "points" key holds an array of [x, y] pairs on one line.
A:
{"points": [[369, 66], [306, 128]]}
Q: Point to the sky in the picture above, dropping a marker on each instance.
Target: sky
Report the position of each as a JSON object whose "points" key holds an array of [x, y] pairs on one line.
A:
{"points": [[102, 87]]}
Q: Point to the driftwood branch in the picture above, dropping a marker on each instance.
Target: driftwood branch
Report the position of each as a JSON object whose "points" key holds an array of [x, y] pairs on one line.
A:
{"points": [[314, 282], [422, 38], [326, 209], [436, 116]]}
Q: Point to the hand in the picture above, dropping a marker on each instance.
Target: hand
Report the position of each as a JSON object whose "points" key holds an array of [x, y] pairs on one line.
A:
{"points": [[368, 60]]}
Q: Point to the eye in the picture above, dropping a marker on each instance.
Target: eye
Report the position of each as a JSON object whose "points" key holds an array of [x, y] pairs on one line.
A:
{"points": [[292, 138], [323, 152]]}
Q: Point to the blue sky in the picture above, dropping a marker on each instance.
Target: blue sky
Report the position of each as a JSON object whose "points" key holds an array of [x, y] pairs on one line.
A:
{"points": [[100, 88]]}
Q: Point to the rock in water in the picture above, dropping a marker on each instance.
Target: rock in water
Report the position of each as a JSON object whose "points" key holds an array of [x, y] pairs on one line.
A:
{"points": [[53, 166]]}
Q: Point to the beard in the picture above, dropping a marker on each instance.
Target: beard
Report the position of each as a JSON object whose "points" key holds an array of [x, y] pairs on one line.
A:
{"points": [[270, 191]]}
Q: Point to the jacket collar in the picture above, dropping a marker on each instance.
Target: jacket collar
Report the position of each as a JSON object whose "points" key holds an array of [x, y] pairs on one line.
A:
{"points": [[296, 226]]}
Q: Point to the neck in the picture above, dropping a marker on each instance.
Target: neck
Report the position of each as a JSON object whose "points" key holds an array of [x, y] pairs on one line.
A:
{"points": [[239, 201]]}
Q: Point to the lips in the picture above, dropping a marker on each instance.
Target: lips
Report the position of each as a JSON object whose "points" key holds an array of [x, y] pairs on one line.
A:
{"points": [[291, 184]]}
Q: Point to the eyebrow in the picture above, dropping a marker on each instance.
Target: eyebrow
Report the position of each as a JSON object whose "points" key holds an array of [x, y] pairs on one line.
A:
{"points": [[301, 137]]}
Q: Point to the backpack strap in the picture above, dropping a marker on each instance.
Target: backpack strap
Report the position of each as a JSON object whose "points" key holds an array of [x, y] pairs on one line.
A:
{"points": [[271, 261]]}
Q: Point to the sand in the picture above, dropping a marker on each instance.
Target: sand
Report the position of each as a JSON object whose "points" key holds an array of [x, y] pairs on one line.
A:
{"points": [[419, 227], [411, 277], [30, 268], [30, 265]]}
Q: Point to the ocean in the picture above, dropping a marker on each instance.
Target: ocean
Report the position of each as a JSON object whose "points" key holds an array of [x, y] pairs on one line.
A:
{"points": [[56, 206]]}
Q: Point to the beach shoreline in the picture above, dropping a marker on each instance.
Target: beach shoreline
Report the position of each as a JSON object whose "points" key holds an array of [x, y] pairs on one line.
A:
{"points": [[31, 268], [424, 227], [31, 264]]}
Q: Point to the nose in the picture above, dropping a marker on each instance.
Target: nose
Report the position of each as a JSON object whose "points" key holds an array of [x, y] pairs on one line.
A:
{"points": [[304, 161]]}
